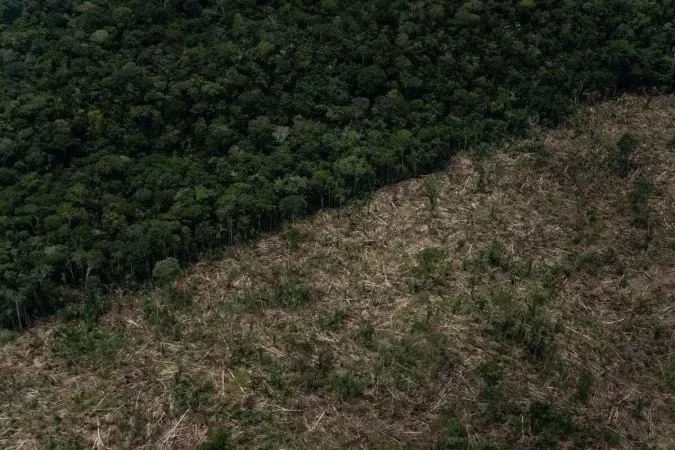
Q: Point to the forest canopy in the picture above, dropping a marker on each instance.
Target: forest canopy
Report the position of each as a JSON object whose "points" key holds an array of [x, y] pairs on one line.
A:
{"points": [[132, 131]]}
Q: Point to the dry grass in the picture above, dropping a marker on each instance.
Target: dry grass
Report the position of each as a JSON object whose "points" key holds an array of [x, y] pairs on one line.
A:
{"points": [[533, 306]]}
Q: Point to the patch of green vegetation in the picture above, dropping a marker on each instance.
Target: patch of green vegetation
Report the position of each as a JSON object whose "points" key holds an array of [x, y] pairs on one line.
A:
{"points": [[592, 262], [454, 433], [619, 158], [539, 151], [549, 424], [7, 336], [314, 374], [333, 320], [491, 372], [89, 304], [292, 236], [482, 180], [643, 190], [65, 443], [432, 270], [493, 256], [482, 149], [414, 358], [243, 350], [592, 215], [670, 374], [551, 275], [494, 399], [502, 299], [538, 296], [348, 384], [220, 440], [161, 317], [431, 190], [661, 332], [276, 373], [365, 335], [430, 259], [89, 345], [190, 393], [532, 330], [262, 429], [166, 271], [492, 395], [584, 386], [289, 293]]}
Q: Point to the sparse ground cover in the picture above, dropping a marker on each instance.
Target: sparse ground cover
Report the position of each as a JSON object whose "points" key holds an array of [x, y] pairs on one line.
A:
{"points": [[523, 298]]}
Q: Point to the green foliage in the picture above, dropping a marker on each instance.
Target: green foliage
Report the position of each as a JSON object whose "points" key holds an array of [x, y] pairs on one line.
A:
{"points": [[140, 131], [333, 320], [549, 424], [290, 293], [454, 433], [494, 398], [429, 259], [319, 374], [491, 372], [492, 394], [7, 336], [365, 335], [87, 345], [532, 330], [10, 10], [620, 157], [643, 190], [431, 187], [670, 374], [220, 440], [593, 261], [550, 276], [189, 393], [432, 270], [95, 303], [481, 179], [166, 270], [293, 238], [161, 317], [348, 384], [418, 356], [493, 256], [65, 443], [584, 386]]}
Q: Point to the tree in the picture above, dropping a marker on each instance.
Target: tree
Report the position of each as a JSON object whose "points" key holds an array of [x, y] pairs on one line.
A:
{"points": [[372, 79], [166, 270], [293, 206]]}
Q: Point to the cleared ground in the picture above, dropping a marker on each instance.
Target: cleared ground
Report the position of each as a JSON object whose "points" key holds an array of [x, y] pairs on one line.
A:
{"points": [[524, 298]]}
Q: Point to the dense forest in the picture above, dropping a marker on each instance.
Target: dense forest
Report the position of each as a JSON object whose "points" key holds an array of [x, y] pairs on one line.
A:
{"points": [[132, 131]]}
